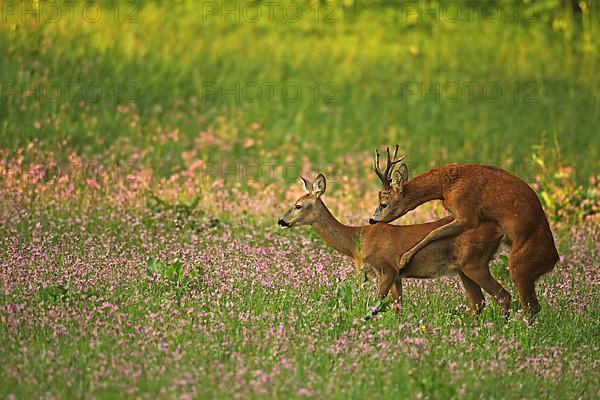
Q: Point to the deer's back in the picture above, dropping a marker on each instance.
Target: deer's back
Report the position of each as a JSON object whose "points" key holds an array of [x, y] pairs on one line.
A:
{"points": [[395, 240], [386, 244], [496, 195]]}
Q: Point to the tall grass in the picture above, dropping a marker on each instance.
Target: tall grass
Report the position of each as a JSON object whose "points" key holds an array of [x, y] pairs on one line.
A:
{"points": [[112, 286], [256, 312], [365, 62]]}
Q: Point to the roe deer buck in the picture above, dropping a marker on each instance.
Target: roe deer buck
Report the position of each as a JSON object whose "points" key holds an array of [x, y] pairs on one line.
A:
{"points": [[475, 193], [382, 245]]}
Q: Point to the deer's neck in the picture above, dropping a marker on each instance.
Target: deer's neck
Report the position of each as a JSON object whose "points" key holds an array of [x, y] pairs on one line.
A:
{"points": [[423, 188], [342, 238]]}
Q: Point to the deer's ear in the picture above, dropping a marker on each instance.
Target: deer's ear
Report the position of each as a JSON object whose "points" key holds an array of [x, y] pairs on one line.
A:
{"points": [[307, 185], [319, 185], [403, 172], [400, 177]]}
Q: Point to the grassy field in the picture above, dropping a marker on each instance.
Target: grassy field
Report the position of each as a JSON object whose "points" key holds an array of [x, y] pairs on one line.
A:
{"points": [[146, 302], [148, 148], [338, 80]]}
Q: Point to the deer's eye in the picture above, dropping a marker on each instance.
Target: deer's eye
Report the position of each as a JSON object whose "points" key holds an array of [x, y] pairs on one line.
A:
{"points": [[383, 205], [298, 206]]}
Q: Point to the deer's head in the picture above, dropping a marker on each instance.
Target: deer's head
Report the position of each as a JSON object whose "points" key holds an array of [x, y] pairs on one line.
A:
{"points": [[392, 199], [307, 209]]}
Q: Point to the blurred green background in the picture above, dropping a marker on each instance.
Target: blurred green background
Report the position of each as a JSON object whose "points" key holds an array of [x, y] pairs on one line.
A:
{"points": [[272, 80]]}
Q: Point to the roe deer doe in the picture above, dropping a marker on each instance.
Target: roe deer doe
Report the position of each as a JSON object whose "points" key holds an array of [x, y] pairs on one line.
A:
{"points": [[475, 193], [382, 245]]}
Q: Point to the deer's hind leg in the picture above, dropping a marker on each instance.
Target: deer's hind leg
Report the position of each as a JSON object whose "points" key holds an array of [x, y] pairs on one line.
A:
{"points": [[527, 296], [528, 260], [479, 272], [474, 293]]}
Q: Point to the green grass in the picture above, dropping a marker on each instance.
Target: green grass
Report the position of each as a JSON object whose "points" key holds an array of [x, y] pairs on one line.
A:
{"points": [[166, 60], [119, 335], [119, 292]]}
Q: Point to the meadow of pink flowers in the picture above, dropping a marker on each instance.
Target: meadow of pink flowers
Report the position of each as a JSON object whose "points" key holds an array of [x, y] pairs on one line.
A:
{"points": [[254, 311]]}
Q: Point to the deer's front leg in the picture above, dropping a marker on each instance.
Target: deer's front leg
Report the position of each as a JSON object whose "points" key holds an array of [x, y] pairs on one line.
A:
{"points": [[397, 294], [451, 229], [386, 281]]}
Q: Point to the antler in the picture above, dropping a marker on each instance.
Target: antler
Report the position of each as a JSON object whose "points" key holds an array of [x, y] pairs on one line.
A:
{"points": [[386, 176]]}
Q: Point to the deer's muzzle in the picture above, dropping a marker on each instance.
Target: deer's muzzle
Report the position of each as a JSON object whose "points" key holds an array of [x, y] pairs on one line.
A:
{"points": [[283, 223]]}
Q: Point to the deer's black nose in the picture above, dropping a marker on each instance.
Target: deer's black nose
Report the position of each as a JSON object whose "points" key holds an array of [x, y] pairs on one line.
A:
{"points": [[282, 223], [372, 221]]}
